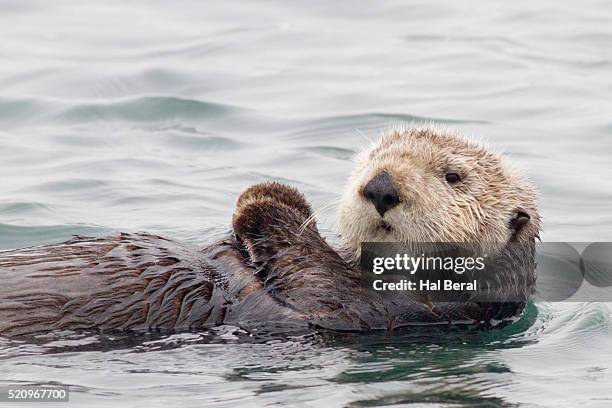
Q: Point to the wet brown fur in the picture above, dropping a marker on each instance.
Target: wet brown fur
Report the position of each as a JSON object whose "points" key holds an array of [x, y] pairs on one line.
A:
{"points": [[127, 282]]}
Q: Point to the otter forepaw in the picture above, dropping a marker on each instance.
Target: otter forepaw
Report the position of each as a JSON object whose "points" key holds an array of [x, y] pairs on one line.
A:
{"points": [[281, 193], [268, 217]]}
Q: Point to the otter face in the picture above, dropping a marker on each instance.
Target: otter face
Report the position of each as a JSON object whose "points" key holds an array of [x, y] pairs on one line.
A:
{"points": [[428, 185]]}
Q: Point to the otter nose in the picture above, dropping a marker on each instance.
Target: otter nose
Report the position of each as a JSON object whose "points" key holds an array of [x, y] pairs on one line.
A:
{"points": [[381, 193]]}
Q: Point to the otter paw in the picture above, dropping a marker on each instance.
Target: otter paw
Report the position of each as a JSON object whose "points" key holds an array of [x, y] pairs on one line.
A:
{"points": [[265, 227], [270, 217], [273, 191]]}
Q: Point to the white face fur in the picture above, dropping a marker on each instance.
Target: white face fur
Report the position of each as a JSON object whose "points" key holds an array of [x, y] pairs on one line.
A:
{"points": [[428, 185]]}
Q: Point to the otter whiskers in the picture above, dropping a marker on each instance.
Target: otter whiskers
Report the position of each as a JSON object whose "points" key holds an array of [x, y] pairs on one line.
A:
{"points": [[316, 213]]}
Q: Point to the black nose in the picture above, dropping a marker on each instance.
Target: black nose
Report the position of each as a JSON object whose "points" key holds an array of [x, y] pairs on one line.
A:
{"points": [[381, 193]]}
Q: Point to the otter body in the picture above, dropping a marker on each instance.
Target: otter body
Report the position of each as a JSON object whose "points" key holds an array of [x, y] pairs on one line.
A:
{"points": [[125, 282], [139, 282], [276, 267]]}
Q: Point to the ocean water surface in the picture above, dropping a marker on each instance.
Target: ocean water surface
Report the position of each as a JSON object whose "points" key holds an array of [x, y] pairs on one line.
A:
{"points": [[154, 116]]}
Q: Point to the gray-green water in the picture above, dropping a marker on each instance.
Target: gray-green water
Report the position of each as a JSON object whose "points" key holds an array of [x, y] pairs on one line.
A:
{"points": [[154, 116]]}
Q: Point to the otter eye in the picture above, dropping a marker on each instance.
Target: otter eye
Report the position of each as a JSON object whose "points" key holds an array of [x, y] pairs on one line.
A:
{"points": [[452, 178]]}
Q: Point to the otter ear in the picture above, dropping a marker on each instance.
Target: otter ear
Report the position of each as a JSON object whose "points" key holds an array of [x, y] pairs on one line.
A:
{"points": [[519, 220]]}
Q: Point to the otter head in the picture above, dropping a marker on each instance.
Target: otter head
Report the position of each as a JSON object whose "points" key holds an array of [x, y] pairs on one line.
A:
{"points": [[429, 185]]}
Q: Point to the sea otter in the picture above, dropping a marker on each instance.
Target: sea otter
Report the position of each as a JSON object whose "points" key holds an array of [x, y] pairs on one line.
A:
{"points": [[414, 184]]}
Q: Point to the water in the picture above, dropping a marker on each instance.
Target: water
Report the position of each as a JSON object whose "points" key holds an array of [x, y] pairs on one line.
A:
{"points": [[132, 116]]}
